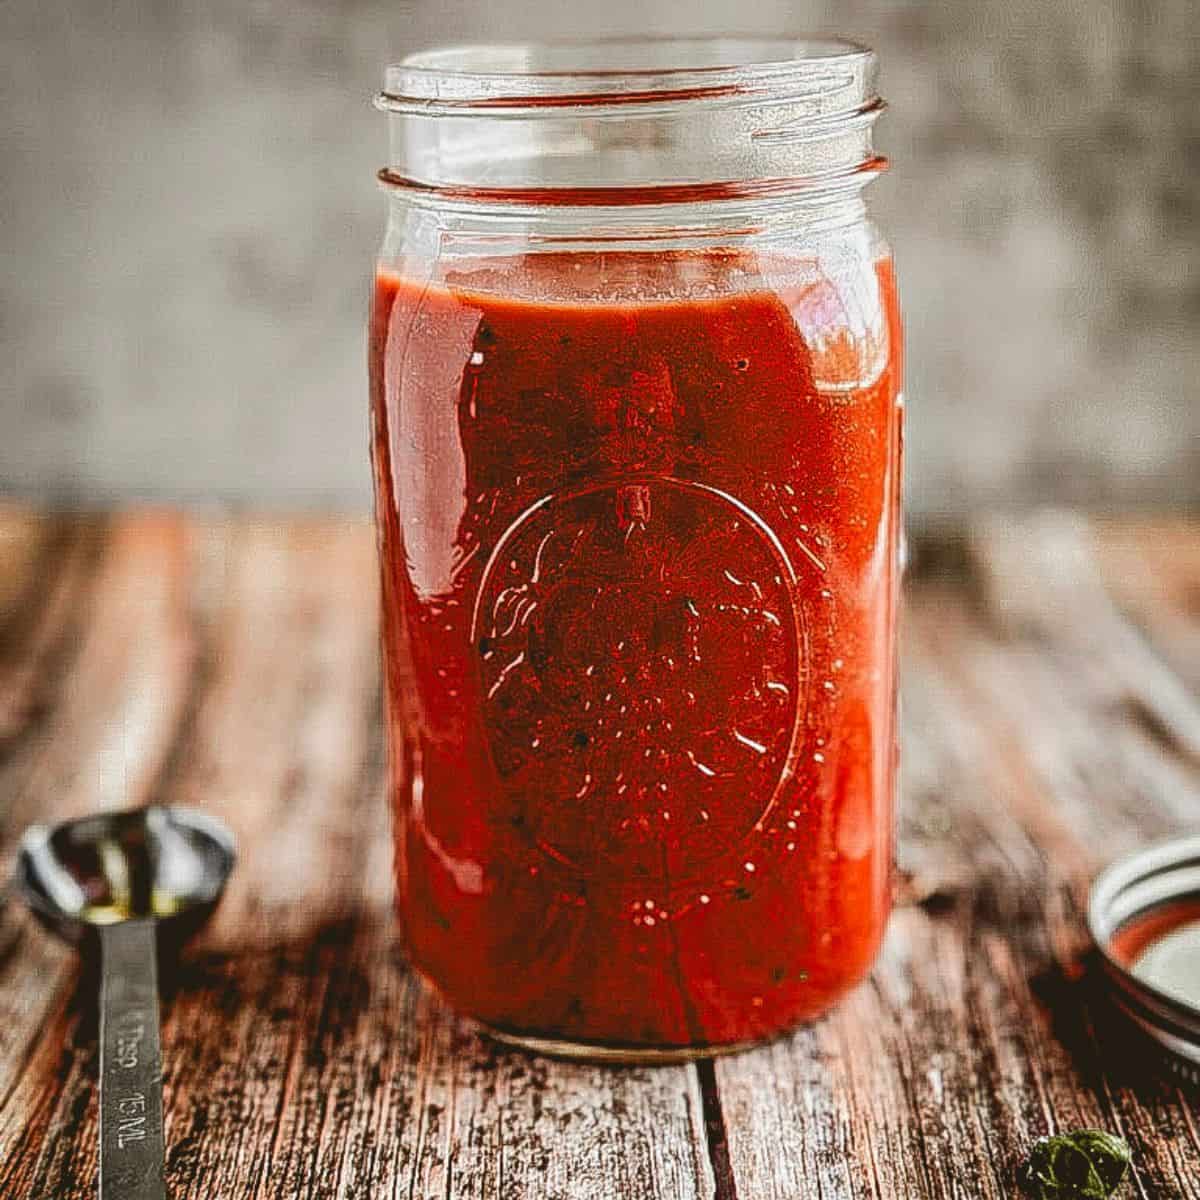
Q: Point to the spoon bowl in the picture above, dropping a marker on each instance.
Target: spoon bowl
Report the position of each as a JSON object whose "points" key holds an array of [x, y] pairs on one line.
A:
{"points": [[167, 863]]}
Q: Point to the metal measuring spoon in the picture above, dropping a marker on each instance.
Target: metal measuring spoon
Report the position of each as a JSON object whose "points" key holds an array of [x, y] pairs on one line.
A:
{"points": [[127, 879]]}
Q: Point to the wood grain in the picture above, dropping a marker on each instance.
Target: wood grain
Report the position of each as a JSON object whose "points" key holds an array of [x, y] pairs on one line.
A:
{"points": [[1050, 722]]}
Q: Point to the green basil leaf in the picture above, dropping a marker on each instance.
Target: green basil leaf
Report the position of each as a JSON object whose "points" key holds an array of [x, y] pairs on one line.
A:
{"points": [[1089, 1164]]}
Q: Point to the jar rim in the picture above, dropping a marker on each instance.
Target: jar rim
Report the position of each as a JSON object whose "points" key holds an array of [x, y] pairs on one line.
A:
{"points": [[618, 70]]}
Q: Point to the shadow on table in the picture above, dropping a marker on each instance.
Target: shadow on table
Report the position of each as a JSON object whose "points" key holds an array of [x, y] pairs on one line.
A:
{"points": [[1106, 1049], [341, 981]]}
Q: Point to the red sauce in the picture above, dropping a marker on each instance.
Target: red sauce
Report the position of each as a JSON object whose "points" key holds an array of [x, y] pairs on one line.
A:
{"points": [[639, 556], [1135, 937]]}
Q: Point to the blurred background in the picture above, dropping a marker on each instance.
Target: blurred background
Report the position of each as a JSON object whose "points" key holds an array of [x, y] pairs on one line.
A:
{"points": [[190, 217]]}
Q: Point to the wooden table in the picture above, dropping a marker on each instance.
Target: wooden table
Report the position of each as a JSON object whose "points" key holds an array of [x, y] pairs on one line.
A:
{"points": [[1050, 721]]}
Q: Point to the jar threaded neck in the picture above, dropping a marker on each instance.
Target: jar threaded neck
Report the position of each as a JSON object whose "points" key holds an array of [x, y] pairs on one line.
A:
{"points": [[645, 121]]}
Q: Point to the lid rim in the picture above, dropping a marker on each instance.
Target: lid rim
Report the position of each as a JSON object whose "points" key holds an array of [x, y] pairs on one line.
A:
{"points": [[1152, 860], [1180, 1019], [1172, 1022]]}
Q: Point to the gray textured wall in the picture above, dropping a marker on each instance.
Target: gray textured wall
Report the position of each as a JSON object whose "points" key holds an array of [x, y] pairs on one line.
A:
{"points": [[189, 219]]}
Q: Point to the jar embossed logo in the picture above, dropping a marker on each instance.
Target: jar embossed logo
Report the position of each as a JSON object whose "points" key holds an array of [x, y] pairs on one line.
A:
{"points": [[609, 623]]}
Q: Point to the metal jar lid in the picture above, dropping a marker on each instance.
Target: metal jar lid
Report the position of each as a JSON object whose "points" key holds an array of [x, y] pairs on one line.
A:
{"points": [[1130, 894]]}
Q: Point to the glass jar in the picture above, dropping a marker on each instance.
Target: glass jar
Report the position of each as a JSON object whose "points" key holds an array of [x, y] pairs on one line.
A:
{"points": [[635, 369]]}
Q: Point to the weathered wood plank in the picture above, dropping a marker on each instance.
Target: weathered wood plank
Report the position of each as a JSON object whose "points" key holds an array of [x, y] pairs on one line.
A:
{"points": [[1043, 583], [1152, 571], [1108, 735], [94, 696], [301, 1057], [232, 666], [1026, 766]]}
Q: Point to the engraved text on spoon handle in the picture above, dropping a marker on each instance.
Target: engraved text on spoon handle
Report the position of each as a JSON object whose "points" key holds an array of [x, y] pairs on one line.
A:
{"points": [[131, 1121]]}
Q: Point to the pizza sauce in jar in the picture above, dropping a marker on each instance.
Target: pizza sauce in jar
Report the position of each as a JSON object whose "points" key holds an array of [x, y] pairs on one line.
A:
{"points": [[638, 515]]}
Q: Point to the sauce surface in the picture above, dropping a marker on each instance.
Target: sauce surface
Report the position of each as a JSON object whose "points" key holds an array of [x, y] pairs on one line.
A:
{"points": [[638, 522]]}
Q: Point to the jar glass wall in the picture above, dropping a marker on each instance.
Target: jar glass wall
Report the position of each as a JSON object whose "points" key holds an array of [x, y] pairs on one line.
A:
{"points": [[636, 438]]}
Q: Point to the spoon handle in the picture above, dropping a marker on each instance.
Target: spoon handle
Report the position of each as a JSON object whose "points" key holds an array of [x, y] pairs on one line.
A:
{"points": [[131, 1120]]}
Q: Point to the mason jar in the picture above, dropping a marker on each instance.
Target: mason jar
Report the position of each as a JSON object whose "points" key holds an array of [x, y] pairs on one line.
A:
{"points": [[636, 429]]}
